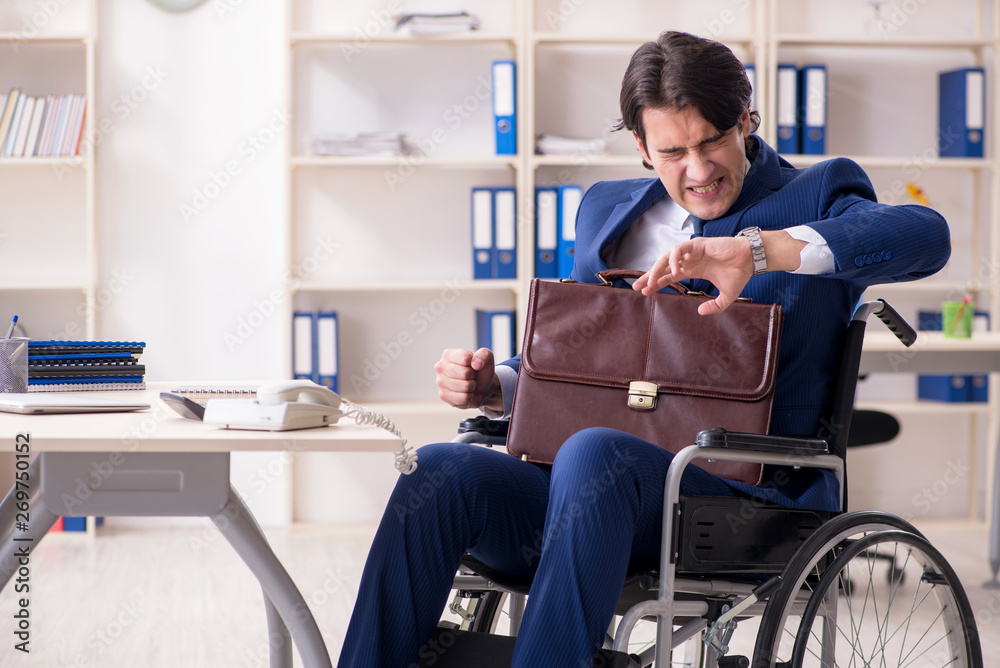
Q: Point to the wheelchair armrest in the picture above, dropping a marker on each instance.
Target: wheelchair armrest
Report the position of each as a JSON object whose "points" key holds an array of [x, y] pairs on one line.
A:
{"points": [[721, 438], [482, 430]]}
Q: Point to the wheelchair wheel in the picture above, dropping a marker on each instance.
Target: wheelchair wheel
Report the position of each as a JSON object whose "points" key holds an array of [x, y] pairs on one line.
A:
{"points": [[784, 618], [927, 624]]}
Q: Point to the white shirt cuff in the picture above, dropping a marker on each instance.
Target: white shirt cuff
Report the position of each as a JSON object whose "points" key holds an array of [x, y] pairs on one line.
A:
{"points": [[508, 379], [816, 258]]}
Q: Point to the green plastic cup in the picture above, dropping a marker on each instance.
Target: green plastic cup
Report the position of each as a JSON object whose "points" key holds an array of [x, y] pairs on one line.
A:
{"points": [[956, 319]]}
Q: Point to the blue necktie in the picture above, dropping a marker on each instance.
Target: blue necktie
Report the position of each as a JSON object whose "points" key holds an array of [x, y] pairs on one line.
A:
{"points": [[699, 226], [699, 229]]}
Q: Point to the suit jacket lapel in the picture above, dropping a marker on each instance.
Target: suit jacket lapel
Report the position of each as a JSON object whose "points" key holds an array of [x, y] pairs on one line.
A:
{"points": [[625, 214]]}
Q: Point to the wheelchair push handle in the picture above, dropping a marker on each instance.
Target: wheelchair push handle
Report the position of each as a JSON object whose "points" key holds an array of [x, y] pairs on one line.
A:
{"points": [[890, 317]]}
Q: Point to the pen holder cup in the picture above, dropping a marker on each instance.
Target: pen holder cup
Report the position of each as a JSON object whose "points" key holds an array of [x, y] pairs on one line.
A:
{"points": [[14, 364], [956, 319]]}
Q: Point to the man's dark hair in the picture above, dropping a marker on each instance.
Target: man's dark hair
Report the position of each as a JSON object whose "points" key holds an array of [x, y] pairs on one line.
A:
{"points": [[680, 70]]}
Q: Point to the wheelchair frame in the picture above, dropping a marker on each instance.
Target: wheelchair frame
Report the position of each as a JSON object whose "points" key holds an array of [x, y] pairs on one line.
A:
{"points": [[810, 582]]}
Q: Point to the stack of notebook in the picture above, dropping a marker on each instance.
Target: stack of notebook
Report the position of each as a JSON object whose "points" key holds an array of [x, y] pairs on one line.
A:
{"points": [[66, 366]]}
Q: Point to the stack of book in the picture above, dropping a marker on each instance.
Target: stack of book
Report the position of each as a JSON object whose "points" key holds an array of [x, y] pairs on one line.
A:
{"points": [[49, 126], [553, 145], [364, 143], [437, 23], [67, 366]]}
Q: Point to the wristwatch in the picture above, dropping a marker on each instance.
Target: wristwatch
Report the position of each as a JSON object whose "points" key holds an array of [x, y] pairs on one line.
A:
{"points": [[756, 249]]}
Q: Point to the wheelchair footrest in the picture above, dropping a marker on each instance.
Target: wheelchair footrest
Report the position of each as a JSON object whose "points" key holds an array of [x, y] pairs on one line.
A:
{"points": [[451, 648], [739, 535]]}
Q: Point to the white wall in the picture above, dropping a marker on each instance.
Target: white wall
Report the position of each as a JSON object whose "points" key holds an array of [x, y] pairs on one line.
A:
{"points": [[191, 185], [192, 199]]}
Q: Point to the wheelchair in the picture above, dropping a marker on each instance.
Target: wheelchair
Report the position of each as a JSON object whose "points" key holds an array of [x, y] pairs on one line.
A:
{"points": [[806, 588]]}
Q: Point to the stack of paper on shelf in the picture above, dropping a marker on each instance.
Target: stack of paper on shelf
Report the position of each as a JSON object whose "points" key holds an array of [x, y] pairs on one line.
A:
{"points": [[362, 143], [552, 145], [437, 23], [67, 366]]}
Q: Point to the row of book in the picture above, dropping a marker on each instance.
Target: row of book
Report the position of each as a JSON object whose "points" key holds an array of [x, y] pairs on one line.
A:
{"points": [[802, 101], [952, 388], [316, 347], [376, 144], [495, 330], [316, 343], [68, 366], [802, 110], [494, 231], [437, 23], [74, 524], [49, 126]]}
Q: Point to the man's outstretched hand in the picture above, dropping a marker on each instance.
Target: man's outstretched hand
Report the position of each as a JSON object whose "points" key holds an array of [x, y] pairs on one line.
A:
{"points": [[726, 262]]}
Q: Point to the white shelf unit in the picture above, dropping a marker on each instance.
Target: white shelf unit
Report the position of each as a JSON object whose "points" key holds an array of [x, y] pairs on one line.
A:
{"points": [[571, 57], [909, 47], [401, 278], [48, 225]]}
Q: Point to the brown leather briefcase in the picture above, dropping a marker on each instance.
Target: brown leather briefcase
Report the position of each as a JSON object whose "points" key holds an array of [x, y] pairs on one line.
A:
{"points": [[599, 356]]}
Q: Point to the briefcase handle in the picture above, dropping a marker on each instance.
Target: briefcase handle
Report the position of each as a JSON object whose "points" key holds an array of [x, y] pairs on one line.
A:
{"points": [[609, 276]]}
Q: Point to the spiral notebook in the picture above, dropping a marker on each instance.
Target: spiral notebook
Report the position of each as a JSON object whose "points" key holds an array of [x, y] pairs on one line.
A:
{"points": [[190, 403]]}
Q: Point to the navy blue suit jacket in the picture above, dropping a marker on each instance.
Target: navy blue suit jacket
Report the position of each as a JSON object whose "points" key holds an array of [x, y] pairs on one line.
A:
{"points": [[872, 243]]}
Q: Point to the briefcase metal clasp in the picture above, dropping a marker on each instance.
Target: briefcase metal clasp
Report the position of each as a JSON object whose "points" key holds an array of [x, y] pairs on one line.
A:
{"points": [[642, 395]]}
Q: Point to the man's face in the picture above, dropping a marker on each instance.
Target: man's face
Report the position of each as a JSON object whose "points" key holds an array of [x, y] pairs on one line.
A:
{"points": [[701, 168]]}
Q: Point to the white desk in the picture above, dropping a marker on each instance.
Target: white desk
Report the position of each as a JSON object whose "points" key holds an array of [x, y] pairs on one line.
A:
{"points": [[933, 354], [155, 463]]}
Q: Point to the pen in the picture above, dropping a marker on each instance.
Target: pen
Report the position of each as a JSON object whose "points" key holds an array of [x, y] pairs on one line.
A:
{"points": [[10, 330]]}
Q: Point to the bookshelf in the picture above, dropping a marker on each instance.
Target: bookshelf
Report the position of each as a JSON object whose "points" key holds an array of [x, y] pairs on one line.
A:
{"points": [[52, 286], [570, 59]]}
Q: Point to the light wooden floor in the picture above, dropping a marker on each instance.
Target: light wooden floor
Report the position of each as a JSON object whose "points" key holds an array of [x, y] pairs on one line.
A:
{"points": [[181, 596]]}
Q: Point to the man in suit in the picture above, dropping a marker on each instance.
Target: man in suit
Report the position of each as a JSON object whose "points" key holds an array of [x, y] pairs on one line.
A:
{"points": [[725, 211]]}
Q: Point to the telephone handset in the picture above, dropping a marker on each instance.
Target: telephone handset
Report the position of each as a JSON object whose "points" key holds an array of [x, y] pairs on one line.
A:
{"points": [[297, 390], [286, 405]]}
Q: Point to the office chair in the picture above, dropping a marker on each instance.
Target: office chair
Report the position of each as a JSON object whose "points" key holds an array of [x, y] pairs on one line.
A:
{"points": [[802, 573]]}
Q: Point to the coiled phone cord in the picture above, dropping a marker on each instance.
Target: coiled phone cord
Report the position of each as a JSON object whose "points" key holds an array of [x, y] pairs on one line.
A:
{"points": [[406, 458]]}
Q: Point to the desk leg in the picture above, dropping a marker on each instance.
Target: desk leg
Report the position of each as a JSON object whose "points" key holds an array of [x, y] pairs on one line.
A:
{"points": [[236, 523], [41, 520], [8, 508], [995, 524], [278, 639]]}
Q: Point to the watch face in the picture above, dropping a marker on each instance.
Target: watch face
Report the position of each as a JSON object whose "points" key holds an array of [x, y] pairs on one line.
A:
{"points": [[176, 5]]}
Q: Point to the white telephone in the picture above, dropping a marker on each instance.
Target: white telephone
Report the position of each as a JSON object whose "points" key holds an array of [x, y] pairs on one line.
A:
{"points": [[293, 404]]}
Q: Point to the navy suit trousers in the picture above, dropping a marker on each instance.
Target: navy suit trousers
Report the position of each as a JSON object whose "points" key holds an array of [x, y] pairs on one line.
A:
{"points": [[577, 530]]}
